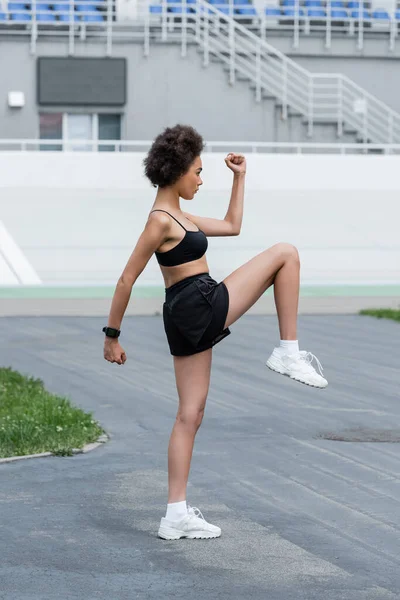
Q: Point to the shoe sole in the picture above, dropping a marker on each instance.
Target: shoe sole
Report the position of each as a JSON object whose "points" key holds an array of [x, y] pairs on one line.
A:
{"points": [[277, 370], [198, 535]]}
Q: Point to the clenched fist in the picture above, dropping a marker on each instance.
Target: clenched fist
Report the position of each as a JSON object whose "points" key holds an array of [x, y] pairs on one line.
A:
{"points": [[236, 162], [113, 351]]}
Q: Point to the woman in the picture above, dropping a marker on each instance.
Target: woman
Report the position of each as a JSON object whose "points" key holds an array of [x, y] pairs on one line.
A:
{"points": [[198, 311]]}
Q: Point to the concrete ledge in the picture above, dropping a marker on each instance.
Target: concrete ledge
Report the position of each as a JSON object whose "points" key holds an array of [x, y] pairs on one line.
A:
{"points": [[96, 307], [87, 448]]}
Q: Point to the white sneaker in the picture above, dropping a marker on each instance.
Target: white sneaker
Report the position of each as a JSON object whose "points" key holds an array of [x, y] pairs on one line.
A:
{"points": [[297, 366], [192, 526]]}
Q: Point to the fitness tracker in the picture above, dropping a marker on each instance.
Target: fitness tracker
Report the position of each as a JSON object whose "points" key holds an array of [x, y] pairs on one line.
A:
{"points": [[111, 332]]}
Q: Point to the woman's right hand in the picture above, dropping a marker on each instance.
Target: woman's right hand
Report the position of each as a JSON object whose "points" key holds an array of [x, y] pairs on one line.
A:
{"points": [[113, 351]]}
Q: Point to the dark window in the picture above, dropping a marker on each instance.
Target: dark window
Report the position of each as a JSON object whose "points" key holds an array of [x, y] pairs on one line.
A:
{"points": [[109, 129], [50, 127]]}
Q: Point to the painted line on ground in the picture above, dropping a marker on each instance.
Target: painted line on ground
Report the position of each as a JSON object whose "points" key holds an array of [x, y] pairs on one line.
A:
{"points": [[16, 260]]}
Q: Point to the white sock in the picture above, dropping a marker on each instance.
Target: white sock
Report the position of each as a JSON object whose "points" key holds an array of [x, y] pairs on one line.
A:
{"points": [[290, 346], [176, 511]]}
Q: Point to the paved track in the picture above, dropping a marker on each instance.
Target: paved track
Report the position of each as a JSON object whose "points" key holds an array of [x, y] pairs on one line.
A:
{"points": [[303, 518]]}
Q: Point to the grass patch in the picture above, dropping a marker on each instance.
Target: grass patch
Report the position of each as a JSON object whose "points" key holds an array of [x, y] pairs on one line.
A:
{"points": [[382, 313], [32, 420]]}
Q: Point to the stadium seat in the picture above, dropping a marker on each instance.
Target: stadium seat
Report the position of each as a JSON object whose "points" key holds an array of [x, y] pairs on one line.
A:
{"points": [[292, 12], [316, 12], [249, 11], [93, 18], [16, 6], [380, 13], [397, 15], [337, 4], [339, 14], [364, 14], [178, 10], [355, 4], [83, 7], [156, 9], [20, 16], [288, 2], [313, 3], [3, 16], [222, 8], [63, 12], [44, 13], [272, 11], [241, 2]]}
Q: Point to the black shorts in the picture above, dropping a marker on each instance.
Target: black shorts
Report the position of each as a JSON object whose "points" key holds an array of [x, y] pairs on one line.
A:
{"points": [[194, 314]]}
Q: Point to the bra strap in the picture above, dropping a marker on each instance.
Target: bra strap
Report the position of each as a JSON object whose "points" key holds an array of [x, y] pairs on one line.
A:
{"points": [[160, 210]]}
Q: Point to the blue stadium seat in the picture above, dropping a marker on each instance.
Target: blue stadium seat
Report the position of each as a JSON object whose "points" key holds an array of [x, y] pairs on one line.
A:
{"points": [[3, 16], [380, 13], [355, 4], [316, 12], [156, 9], [249, 11], [364, 14], [272, 11], [85, 7], [313, 3], [337, 4], [16, 6], [20, 16], [397, 15], [291, 12], [339, 14], [241, 2], [178, 10], [21, 13], [64, 9], [95, 17], [288, 2], [46, 17], [44, 13], [222, 8]]}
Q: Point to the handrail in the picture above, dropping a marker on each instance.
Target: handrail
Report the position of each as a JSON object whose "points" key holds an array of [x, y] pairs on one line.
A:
{"points": [[324, 96], [320, 98], [37, 145]]}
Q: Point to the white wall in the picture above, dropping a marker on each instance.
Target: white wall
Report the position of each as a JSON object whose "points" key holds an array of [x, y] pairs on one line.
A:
{"points": [[76, 216]]}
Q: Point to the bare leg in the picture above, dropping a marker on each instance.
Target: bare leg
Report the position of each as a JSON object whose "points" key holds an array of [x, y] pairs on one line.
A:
{"points": [[279, 265], [192, 375]]}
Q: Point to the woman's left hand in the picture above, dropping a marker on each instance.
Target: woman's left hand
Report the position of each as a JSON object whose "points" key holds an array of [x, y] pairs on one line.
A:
{"points": [[236, 162]]}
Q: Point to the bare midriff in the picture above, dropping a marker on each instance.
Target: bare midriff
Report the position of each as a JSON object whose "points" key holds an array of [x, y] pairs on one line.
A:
{"points": [[174, 274]]}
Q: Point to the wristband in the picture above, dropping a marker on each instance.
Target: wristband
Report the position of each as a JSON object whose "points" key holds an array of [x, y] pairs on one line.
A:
{"points": [[111, 332]]}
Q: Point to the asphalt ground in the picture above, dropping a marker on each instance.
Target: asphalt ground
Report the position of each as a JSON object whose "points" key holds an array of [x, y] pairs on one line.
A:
{"points": [[303, 517]]}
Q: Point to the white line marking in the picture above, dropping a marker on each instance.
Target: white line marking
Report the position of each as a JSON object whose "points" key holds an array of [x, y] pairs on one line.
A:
{"points": [[16, 259]]}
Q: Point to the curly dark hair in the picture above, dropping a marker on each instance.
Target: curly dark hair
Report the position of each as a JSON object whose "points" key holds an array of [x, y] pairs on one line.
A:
{"points": [[171, 154]]}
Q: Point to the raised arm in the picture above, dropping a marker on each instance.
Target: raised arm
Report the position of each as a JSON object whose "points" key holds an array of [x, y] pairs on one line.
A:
{"points": [[153, 235], [232, 222]]}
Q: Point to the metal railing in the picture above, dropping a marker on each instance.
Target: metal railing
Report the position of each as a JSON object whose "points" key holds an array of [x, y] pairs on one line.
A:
{"points": [[37, 145], [76, 18], [318, 98]]}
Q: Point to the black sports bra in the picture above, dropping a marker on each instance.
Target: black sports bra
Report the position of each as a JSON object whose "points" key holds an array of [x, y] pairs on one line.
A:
{"points": [[192, 246]]}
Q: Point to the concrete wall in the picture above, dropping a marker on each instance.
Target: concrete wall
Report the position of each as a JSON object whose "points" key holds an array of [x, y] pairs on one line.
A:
{"points": [[76, 217], [163, 89], [379, 76]]}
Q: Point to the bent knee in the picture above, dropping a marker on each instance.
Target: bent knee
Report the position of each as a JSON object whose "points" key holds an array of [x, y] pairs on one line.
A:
{"points": [[190, 418], [287, 250]]}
